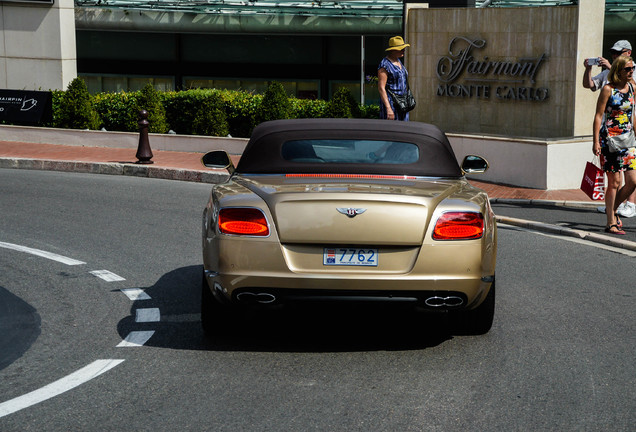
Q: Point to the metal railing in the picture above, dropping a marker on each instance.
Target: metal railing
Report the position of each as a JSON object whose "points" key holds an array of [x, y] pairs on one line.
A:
{"points": [[386, 8], [611, 6], [295, 7]]}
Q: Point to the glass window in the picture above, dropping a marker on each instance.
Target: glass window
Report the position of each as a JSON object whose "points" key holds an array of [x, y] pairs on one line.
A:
{"points": [[254, 49], [126, 46], [301, 89], [344, 51], [160, 84], [94, 83], [350, 151], [115, 83]]}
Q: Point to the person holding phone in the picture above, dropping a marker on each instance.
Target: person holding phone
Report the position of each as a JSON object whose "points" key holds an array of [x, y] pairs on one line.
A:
{"points": [[620, 48]]}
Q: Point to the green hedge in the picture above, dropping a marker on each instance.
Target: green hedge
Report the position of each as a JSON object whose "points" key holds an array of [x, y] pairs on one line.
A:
{"points": [[76, 109], [118, 111], [194, 112], [242, 111]]}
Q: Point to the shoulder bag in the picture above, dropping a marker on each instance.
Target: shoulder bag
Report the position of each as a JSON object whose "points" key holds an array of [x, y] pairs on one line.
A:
{"points": [[402, 103], [626, 140]]}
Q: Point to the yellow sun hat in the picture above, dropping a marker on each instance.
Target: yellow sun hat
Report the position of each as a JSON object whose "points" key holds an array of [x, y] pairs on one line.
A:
{"points": [[397, 43]]}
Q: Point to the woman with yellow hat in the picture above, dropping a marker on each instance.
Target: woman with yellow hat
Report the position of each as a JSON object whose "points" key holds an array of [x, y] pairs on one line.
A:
{"points": [[392, 75]]}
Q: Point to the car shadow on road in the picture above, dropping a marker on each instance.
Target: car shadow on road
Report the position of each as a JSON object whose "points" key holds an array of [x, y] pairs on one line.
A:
{"points": [[20, 326], [316, 328]]}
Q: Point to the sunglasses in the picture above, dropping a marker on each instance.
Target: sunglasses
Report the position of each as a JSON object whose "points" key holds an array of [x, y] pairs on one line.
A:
{"points": [[629, 69]]}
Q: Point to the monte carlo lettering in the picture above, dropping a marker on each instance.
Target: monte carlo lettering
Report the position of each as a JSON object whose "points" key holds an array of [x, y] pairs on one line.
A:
{"points": [[485, 78]]}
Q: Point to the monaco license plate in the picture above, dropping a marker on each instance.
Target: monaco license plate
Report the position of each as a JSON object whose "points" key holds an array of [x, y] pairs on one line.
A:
{"points": [[344, 256]]}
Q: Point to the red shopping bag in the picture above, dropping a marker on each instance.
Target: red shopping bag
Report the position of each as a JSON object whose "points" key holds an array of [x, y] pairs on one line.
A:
{"points": [[593, 183]]}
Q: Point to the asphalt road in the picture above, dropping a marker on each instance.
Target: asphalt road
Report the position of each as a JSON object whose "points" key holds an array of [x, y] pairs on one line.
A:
{"points": [[581, 218], [560, 355]]}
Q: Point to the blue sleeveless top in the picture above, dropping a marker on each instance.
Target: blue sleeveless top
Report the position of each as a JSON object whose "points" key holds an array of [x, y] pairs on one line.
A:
{"points": [[396, 82]]}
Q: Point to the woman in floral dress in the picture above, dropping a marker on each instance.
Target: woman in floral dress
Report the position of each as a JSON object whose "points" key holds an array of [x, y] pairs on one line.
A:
{"points": [[614, 116], [392, 74]]}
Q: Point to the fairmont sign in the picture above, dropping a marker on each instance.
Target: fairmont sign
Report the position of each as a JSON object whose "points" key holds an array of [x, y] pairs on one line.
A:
{"points": [[484, 78]]}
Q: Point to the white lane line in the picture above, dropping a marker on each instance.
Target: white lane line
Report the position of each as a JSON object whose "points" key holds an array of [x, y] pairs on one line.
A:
{"points": [[107, 275], [135, 294], [148, 315], [136, 339], [58, 387], [41, 253]]}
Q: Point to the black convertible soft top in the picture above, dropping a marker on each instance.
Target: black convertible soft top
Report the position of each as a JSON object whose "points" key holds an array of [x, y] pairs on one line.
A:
{"points": [[264, 151]]}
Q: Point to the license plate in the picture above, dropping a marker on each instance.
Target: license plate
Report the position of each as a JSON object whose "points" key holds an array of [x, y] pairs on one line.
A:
{"points": [[337, 256]]}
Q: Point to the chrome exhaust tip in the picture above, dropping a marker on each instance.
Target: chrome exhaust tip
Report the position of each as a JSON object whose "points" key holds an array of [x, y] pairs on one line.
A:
{"points": [[440, 301], [253, 298]]}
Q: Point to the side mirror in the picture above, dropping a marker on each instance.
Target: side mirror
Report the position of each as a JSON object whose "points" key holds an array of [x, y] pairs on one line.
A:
{"points": [[218, 159], [474, 164]]}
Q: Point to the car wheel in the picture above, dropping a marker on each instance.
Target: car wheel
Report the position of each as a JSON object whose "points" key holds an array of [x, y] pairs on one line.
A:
{"points": [[478, 321], [212, 312]]}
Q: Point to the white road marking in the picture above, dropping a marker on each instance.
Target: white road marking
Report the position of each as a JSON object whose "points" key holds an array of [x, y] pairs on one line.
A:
{"points": [[58, 387], [107, 275], [41, 253], [148, 315], [135, 294], [136, 339]]}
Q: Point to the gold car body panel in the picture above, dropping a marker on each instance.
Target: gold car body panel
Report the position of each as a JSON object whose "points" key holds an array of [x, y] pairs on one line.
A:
{"points": [[301, 220], [409, 259], [314, 212]]}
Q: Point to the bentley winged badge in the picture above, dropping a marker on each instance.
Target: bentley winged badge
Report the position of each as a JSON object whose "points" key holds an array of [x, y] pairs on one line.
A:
{"points": [[351, 212]]}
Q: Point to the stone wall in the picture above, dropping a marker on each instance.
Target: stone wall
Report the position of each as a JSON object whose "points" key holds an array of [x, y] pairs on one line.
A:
{"points": [[512, 72], [37, 45]]}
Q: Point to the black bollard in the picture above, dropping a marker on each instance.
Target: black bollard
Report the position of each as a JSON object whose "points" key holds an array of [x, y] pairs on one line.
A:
{"points": [[144, 154]]}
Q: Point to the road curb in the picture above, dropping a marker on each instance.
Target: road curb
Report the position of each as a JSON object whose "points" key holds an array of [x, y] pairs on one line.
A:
{"points": [[547, 203], [568, 232], [218, 176], [115, 168]]}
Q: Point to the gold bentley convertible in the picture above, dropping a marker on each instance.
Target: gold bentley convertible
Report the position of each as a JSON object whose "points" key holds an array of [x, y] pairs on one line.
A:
{"points": [[344, 210]]}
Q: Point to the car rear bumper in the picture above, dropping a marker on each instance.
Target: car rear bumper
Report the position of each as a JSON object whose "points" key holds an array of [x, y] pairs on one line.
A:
{"points": [[431, 294]]}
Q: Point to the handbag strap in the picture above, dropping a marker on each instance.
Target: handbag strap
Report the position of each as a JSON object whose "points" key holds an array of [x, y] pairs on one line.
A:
{"points": [[386, 86]]}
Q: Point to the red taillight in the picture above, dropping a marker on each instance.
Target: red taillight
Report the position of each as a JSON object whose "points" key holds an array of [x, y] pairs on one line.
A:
{"points": [[459, 226], [243, 221]]}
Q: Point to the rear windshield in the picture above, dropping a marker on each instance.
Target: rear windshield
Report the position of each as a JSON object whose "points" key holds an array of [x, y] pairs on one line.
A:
{"points": [[346, 151]]}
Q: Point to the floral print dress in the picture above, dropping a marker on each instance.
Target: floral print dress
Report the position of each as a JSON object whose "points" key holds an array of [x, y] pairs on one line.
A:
{"points": [[396, 82], [618, 120]]}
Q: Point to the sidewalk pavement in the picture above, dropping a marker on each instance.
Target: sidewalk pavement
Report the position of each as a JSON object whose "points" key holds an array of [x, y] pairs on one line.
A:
{"points": [[187, 166]]}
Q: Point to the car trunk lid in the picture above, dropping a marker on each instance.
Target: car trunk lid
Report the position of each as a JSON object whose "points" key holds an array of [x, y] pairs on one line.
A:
{"points": [[365, 212]]}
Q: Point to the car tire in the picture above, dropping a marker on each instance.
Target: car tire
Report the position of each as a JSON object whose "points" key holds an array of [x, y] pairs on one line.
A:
{"points": [[478, 321], [212, 311]]}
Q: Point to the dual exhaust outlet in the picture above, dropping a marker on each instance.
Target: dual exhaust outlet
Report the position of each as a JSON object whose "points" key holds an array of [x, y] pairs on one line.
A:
{"points": [[436, 301], [256, 298], [444, 301]]}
